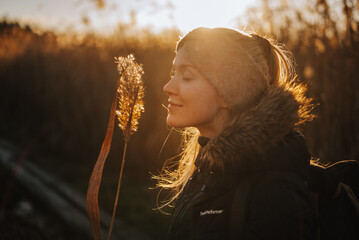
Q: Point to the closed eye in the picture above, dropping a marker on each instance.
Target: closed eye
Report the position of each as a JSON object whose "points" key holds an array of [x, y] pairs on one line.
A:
{"points": [[187, 76]]}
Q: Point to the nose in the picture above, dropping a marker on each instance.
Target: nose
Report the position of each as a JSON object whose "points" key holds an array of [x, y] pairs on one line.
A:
{"points": [[169, 88]]}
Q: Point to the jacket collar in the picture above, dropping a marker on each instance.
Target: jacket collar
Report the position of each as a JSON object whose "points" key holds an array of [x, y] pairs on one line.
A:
{"points": [[260, 138]]}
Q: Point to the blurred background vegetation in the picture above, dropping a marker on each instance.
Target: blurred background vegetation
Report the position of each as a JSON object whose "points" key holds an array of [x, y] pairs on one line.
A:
{"points": [[56, 91]]}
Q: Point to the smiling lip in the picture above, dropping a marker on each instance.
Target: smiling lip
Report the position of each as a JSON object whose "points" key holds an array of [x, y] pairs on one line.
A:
{"points": [[172, 105]]}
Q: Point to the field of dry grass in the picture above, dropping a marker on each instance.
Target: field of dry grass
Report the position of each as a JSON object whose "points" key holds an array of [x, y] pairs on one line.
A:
{"points": [[56, 90]]}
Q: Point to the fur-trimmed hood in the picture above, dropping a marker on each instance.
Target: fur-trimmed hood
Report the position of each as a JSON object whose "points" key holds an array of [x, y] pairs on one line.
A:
{"points": [[263, 136]]}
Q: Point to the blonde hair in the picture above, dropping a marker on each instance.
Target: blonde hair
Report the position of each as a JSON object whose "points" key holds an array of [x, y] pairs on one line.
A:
{"points": [[175, 173], [275, 65]]}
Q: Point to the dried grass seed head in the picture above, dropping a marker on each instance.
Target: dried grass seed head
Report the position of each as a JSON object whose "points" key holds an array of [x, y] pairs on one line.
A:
{"points": [[131, 93]]}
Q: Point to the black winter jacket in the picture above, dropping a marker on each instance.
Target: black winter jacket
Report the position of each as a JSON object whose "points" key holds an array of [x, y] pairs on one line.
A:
{"points": [[278, 204]]}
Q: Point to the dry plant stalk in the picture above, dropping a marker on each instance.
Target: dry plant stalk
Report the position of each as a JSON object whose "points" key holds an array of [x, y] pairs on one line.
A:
{"points": [[129, 94]]}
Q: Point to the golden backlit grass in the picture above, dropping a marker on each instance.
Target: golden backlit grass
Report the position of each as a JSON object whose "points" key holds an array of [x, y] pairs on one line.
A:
{"points": [[60, 87]]}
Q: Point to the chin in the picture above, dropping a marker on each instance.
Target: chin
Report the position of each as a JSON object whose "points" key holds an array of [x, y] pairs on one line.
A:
{"points": [[173, 123]]}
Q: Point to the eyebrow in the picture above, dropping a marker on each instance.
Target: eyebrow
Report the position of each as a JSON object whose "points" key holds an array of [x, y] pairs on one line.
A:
{"points": [[183, 66]]}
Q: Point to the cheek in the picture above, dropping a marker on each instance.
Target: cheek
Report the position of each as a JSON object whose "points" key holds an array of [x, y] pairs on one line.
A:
{"points": [[200, 105], [206, 100], [203, 107], [206, 108]]}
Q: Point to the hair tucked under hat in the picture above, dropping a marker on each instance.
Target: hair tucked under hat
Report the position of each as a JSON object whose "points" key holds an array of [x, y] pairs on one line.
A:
{"points": [[238, 64]]}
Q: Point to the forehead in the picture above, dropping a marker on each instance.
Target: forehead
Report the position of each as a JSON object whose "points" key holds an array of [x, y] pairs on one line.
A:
{"points": [[182, 60], [196, 53]]}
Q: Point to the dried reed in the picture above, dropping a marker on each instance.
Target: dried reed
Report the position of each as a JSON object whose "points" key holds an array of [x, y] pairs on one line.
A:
{"points": [[129, 94], [131, 106]]}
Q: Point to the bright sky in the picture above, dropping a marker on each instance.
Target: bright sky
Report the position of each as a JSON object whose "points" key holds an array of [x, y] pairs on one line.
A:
{"points": [[159, 14]]}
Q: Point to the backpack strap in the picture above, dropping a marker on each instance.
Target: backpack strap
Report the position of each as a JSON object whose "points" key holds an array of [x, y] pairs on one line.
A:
{"points": [[351, 198], [240, 210], [338, 213]]}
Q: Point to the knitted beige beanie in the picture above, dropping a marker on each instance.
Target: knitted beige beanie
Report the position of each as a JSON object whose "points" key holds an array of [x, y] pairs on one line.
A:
{"points": [[231, 60]]}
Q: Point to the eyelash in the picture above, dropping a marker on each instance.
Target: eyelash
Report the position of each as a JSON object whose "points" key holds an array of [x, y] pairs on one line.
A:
{"points": [[173, 73], [187, 78]]}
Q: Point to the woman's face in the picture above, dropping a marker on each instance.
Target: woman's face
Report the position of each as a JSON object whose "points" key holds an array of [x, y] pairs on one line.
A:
{"points": [[193, 101]]}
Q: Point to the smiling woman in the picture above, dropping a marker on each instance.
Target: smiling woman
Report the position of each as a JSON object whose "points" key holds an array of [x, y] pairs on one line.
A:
{"points": [[244, 166], [193, 101]]}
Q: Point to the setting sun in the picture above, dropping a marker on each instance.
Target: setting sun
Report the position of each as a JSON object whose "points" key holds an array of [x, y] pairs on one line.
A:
{"points": [[104, 16]]}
